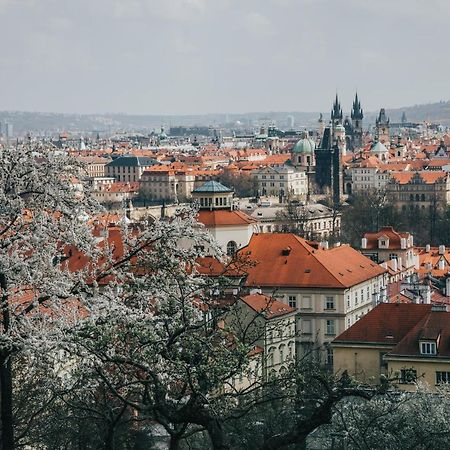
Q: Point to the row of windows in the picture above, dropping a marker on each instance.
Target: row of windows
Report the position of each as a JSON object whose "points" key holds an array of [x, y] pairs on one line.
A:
{"points": [[329, 302], [408, 376], [330, 327]]}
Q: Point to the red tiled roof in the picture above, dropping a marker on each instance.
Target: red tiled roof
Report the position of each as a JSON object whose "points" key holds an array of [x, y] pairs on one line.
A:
{"points": [[222, 217], [394, 238], [269, 306], [210, 266], [288, 260], [434, 326], [387, 323]]}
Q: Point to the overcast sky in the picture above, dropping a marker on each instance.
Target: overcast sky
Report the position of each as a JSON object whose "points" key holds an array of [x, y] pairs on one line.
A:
{"points": [[200, 56]]}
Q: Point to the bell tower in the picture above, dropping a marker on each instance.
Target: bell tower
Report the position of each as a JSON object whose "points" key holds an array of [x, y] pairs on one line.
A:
{"points": [[357, 116]]}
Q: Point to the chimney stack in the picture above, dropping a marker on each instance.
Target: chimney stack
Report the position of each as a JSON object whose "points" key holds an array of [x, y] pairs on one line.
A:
{"points": [[394, 264], [442, 249], [364, 243], [427, 248], [441, 264]]}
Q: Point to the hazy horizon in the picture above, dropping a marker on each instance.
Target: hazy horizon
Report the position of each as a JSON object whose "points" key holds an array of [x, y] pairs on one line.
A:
{"points": [[200, 57]]}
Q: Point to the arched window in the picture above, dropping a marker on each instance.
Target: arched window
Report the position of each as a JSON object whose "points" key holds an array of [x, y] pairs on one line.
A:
{"points": [[422, 197], [417, 197], [282, 353], [411, 197], [270, 360], [231, 248]]}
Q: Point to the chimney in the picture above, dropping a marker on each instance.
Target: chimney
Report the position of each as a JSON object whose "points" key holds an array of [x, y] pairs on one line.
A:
{"points": [[427, 299], [400, 263], [383, 295], [364, 243], [394, 264], [441, 264], [375, 298], [403, 243], [442, 249], [427, 248], [325, 245]]}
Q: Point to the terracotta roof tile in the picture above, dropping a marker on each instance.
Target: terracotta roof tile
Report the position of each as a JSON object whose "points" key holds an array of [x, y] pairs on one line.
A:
{"points": [[288, 260], [387, 323], [222, 217], [269, 306]]}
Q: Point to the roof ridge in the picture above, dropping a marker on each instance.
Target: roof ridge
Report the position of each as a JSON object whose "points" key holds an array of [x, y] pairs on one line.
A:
{"points": [[328, 270]]}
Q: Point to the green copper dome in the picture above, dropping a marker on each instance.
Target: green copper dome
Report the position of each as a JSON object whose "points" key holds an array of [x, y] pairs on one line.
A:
{"points": [[304, 145]]}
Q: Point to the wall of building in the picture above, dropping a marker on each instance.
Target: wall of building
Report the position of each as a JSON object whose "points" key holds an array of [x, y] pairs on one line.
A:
{"points": [[426, 369], [362, 362]]}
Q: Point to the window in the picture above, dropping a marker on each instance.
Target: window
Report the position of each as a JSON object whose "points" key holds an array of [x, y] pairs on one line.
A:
{"points": [[356, 297], [270, 356], [329, 356], [293, 301], [329, 302], [282, 353], [330, 327], [231, 248], [383, 362], [306, 326], [408, 376], [306, 302], [428, 348], [393, 256], [442, 377]]}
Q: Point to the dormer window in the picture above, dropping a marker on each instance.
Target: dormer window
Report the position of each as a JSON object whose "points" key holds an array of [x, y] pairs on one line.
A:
{"points": [[428, 348]]}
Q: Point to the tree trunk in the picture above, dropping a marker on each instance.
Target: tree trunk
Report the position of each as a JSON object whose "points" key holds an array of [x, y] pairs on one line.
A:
{"points": [[6, 399], [174, 443], [109, 438], [216, 435]]}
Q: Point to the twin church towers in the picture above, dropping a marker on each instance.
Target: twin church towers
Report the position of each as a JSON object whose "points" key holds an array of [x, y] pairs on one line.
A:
{"points": [[348, 130]]}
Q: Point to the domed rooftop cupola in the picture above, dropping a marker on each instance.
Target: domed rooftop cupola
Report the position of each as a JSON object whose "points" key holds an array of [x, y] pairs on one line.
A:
{"points": [[304, 145], [213, 195], [302, 154], [380, 151]]}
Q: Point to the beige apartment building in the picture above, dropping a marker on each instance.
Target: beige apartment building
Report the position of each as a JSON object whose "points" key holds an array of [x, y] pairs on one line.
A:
{"points": [[129, 168], [331, 289]]}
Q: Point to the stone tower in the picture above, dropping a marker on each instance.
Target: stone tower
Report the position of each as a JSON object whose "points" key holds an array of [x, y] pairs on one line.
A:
{"points": [[336, 113], [357, 116], [382, 133], [329, 173]]}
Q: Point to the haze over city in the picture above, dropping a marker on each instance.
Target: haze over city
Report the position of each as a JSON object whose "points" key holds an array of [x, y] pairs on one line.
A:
{"points": [[200, 56]]}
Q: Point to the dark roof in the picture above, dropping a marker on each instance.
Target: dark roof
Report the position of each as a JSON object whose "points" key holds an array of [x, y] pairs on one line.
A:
{"points": [[212, 187], [387, 323], [132, 161], [434, 326]]}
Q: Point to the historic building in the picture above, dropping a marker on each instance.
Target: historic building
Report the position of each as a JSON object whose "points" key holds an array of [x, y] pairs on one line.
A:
{"points": [[357, 116], [329, 171], [281, 181], [382, 132], [232, 229], [129, 168], [419, 190], [330, 288]]}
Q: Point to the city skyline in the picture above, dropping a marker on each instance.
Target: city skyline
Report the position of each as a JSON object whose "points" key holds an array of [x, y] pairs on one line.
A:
{"points": [[202, 56]]}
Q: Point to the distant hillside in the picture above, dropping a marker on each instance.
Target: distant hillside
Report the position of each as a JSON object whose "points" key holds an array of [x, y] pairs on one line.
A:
{"points": [[107, 123], [433, 112]]}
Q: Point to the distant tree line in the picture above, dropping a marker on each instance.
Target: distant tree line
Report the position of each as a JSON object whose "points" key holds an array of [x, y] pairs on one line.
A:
{"points": [[371, 210]]}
